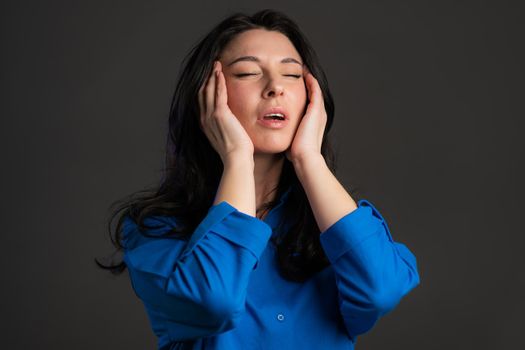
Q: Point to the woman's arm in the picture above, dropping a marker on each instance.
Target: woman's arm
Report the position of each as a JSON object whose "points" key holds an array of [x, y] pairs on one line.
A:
{"points": [[328, 198], [197, 288], [372, 271], [237, 186]]}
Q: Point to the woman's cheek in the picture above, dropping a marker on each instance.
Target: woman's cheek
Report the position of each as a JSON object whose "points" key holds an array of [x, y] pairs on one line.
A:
{"points": [[235, 99], [231, 92], [302, 96]]}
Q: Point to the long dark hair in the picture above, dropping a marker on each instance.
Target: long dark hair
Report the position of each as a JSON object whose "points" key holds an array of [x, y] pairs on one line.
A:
{"points": [[193, 168]]}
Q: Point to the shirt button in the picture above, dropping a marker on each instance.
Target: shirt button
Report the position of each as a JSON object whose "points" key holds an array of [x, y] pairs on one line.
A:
{"points": [[280, 317]]}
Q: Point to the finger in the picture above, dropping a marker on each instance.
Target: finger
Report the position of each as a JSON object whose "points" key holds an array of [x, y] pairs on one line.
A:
{"points": [[314, 90], [222, 95], [307, 75], [200, 97], [305, 70], [319, 92], [309, 87], [210, 90]]}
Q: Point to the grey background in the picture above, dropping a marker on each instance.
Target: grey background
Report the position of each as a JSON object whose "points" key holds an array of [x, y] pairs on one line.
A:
{"points": [[429, 119]]}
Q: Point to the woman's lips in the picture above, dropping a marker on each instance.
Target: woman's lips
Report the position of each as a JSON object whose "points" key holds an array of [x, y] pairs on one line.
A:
{"points": [[276, 109], [273, 123]]}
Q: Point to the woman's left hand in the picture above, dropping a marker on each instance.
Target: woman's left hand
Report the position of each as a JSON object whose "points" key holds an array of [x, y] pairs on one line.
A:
{"points": [[309, 135]]}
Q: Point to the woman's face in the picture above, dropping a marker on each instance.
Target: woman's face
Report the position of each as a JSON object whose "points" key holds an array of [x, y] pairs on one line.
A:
{"points": [[273, 84]]}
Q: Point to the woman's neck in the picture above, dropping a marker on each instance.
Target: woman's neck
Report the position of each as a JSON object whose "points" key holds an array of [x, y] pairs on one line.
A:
{"points": [[267, 172]]}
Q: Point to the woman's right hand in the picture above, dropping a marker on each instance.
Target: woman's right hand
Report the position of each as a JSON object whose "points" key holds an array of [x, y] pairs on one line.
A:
{"points": [[222, 128]]}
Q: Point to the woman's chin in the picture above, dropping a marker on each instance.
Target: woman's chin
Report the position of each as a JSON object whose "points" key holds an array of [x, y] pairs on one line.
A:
{"points": [[270, 150]]}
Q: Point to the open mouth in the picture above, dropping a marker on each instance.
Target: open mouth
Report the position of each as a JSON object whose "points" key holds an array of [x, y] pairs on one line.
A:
{"points": [[274, 116], [276, 113]]}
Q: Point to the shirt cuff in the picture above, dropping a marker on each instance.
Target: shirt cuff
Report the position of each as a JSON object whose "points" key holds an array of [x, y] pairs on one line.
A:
{"points": [[352, 229]]}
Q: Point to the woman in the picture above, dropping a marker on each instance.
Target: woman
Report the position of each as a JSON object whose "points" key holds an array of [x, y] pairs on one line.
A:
{"points": [[250, 242]]}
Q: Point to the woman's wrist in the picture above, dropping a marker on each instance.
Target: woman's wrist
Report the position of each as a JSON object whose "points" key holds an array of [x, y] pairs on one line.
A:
{"points": [[235, 159]]}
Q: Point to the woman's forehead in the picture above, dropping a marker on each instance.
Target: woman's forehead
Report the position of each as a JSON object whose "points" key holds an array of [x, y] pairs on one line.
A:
{"points": [[251, 58], [260, 45]]}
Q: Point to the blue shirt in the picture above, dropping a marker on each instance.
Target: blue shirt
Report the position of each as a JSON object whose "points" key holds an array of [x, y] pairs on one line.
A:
{"points": [[222, 288]]}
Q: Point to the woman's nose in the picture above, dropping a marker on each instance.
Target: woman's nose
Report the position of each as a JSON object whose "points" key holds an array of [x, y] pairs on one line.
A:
{"points": [[273, 89]]}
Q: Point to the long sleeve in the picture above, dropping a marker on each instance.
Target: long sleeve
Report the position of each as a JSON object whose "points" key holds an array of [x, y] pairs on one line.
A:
{"points": [[372, 271], [195, 287]]}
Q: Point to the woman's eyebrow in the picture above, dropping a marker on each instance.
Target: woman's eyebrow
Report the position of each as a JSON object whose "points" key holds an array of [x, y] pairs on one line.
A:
{"points": [[255, 59]]}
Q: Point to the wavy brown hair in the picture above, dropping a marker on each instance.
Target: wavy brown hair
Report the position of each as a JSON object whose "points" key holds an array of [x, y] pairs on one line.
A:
{"points": [[193, 168]]}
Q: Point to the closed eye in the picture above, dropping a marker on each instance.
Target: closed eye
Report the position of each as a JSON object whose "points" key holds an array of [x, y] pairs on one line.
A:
{"points": [[287, 75]]}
